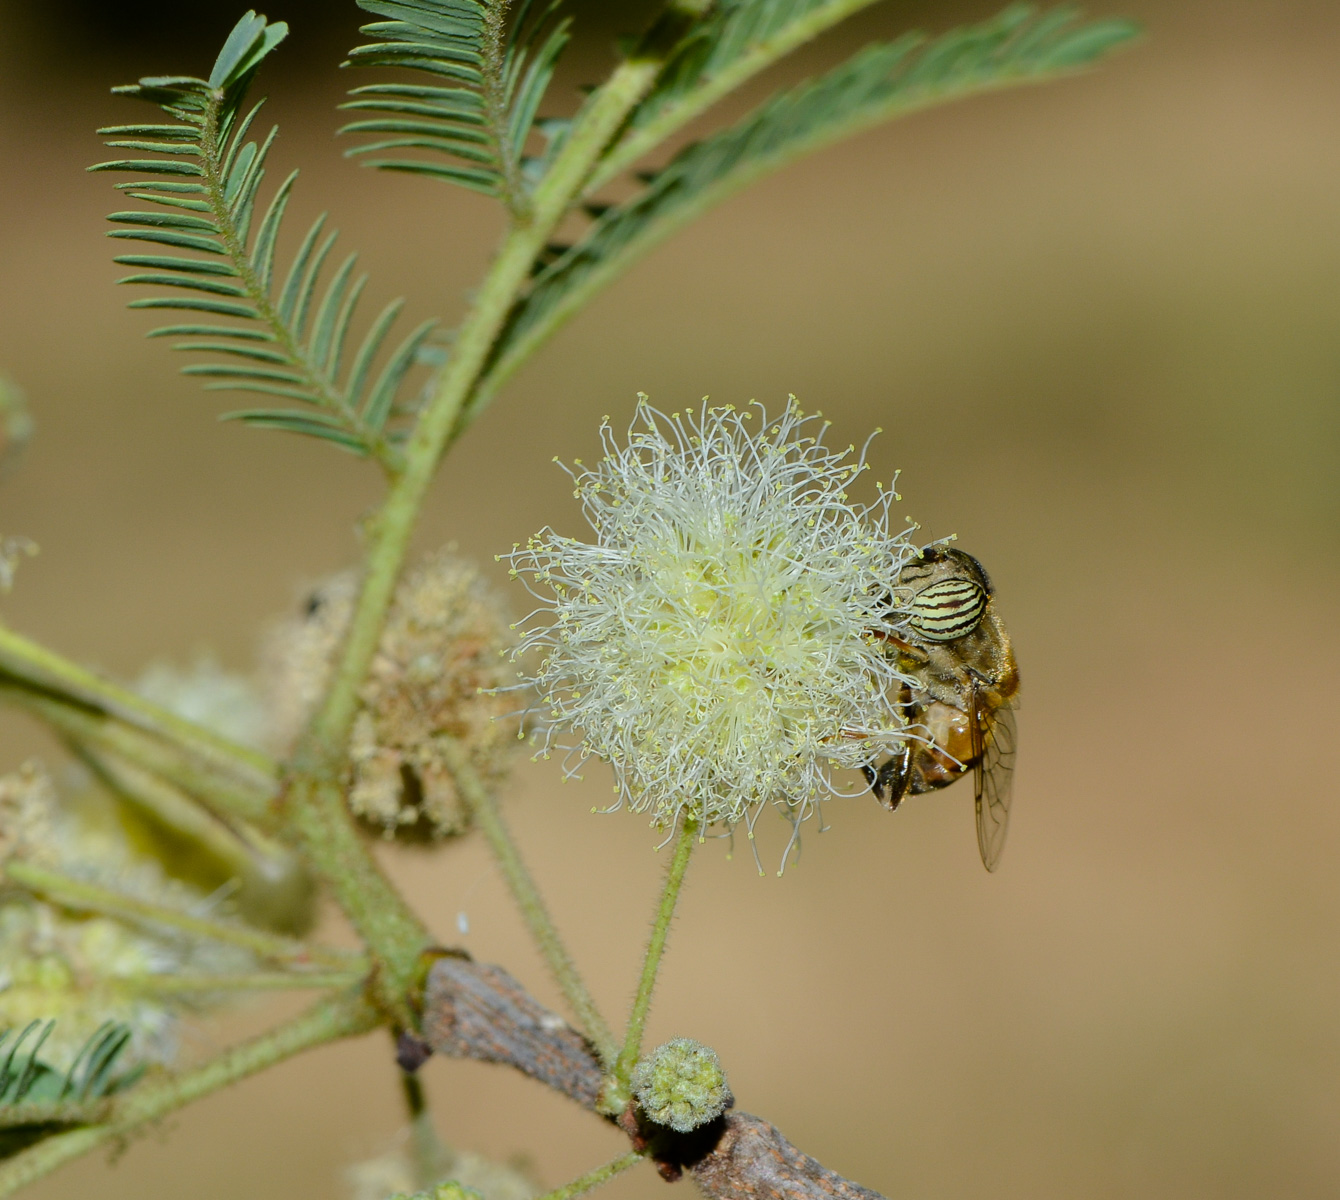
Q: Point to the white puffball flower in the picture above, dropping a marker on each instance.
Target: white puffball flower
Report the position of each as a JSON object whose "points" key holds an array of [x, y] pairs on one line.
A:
{"points": [[717, 643]]}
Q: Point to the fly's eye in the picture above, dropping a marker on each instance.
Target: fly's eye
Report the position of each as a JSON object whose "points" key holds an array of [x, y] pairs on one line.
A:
{"points": [[947, 610]]}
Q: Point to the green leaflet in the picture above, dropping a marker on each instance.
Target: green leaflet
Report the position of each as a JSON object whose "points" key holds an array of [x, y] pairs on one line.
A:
{"points": [[469, 121], [880, 82], [37, 1100], [217, 247]]}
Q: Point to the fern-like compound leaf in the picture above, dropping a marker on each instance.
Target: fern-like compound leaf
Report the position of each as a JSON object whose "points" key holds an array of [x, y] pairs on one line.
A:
{"points": [[37, 1099], [470, 122], [213, 250], [880, 82]]}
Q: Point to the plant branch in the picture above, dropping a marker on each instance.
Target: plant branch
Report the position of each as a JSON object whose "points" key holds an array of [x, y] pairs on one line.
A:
{"points": [[477, 1011], [598, 122], [53, 1112], [331, 1019], [225, 794], [484, 808], [392, 932], [617, 1091], [83, 896], [240, 848]]}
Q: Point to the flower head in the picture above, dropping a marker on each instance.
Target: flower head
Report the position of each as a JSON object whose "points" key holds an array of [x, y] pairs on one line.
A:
{"points": [[714, 642]]}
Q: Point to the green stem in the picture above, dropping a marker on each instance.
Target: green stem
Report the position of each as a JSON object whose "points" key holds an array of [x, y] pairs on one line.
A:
{"points": [[241, 849], [90, 897], [616, 1092], [53, 1112], [40, 670], [224, 794], [605, 111], [593, 1179], [333, 1018], [390, 929], [430, 1158], [487, 816], [172, 985]]}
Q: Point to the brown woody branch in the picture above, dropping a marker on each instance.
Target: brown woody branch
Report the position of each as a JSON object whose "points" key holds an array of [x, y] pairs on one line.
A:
{"points": [[473, 1010]]}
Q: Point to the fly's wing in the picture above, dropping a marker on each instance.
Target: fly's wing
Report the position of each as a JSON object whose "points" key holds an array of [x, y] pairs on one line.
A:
{"points": [[995, 744]]}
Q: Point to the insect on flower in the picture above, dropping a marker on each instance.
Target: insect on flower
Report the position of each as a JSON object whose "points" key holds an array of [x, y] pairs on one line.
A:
{"points": [[712, 640], [953, 644]]}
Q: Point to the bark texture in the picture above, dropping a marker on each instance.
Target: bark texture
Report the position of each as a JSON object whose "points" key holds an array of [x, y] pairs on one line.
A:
{"points": [[474, 1010]]}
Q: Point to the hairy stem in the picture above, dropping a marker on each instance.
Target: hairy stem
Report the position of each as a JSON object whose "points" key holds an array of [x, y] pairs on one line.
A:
{"points": [[593, 1179], [616, 1093], [274, 981], [393, 934], [53, 1112], [429, 1157], [241, 849], [495, 109], [490, 820], [83, 896], [42, 673], [331, 1019], [390, 929], [395, 522], [227, 795]]}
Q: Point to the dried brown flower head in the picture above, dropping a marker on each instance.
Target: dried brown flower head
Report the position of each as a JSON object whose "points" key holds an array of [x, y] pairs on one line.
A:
{"points": [[441, 657]]}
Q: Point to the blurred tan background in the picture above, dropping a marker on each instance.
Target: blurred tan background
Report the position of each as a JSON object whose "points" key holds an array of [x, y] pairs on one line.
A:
{"points": [[1099, 324]]}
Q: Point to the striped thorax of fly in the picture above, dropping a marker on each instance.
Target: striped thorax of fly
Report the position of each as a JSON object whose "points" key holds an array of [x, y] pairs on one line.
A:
{"points": [[943, 629]]}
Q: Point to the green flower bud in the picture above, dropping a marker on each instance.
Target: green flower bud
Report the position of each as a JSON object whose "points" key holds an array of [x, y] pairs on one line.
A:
{"points": [[454, 1190], [681, 1084]]}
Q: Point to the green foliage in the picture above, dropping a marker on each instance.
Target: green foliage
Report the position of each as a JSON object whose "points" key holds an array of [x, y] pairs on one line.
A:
{"points": [[736, 40], [36, 1099], [882, 81], [206, 178], [488, 76]]}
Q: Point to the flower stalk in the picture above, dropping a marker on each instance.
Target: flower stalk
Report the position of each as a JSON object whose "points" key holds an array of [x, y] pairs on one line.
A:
{"points": [[593, 1179], [617, 1090], [484, 808]]}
